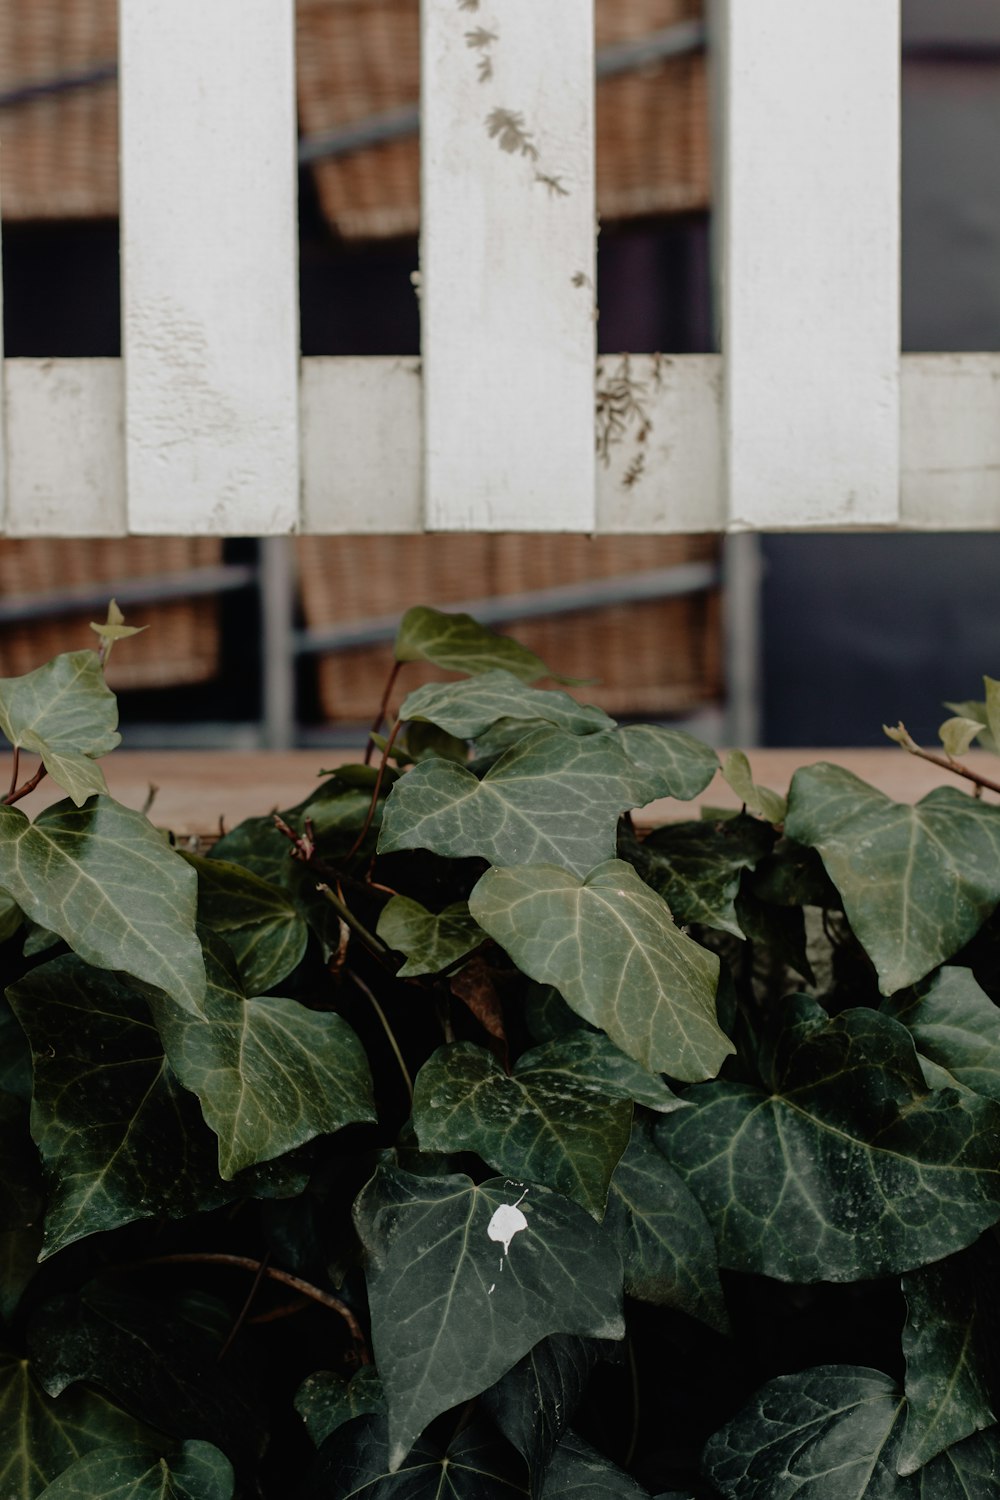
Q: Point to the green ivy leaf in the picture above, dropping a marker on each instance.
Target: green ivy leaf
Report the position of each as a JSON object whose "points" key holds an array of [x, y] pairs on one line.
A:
{"points": [[431, 941], [466, 709], [533, 1404], [957, 734], [664, 1239], [552, 797], [476, 1275], [120, 1137], [269, 1073], [547, 1123], [579, 1472], [40, 1437], [696, 867], [835, 1431], [673, 763], [355, 1464], [11, 916], [842, 1167], [260, 924], [325, 1400], [198, 1471], [610, 947], [917, 882], [103, 878], [459, 643], [976, 713], [757, 799], [65, 713], [956, 1026], [336, 811], [950, 1363]]}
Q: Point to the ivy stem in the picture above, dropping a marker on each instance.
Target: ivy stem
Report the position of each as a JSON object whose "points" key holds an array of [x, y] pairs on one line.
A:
{"points": [[261, 1268], [24, 788], [244, 1310], [14, 770], [946, 762], [383, 709], [388, 1031], [344, 911], [378, 787]]}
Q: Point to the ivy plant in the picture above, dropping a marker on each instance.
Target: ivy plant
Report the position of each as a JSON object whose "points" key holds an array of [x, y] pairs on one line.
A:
{"points": [[444, 1135]]}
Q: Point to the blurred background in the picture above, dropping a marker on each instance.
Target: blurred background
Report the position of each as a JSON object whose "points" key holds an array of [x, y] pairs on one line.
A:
{"points": [[830, 636]]}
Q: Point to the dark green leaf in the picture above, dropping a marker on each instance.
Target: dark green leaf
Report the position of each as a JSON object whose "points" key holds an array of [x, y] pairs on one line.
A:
{"points": [[666, 1245], [552, 797], [11, 917], [673, 763], [917, 882], [325, 1401], [423, 740], [696, 867], [355, 1465], [165, 1368], [269, 1073], [534, 1402], [120, 1136], [64, 712], [20, 1172], [198, 1471], [336, 811], [842, 1167], [609, 946], [948, 1342], [257, 920], [548, 1123], [465, 1279], [955, 1025], [579, 1472], [40, 1437], [19, 1252], [467, 708], [431, 941], [459, 643], [969, 1471], [103, 878]]}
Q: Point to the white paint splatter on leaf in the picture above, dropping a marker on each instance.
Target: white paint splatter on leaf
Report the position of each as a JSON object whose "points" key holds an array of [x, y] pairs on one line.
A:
{"points": [[507, 1221]]}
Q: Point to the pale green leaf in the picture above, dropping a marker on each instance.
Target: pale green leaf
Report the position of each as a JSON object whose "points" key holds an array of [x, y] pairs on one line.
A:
{"points": [[269, 1073], [197, 1471], [610, 947], [459, 643], [757, 799], [956, 1026], [477, 1275], [553, 797], [431, 941], [103, 878], [325, 1400], [957, 734], [977, 712], [841, 1167], [917, 883], [258, 921], [64, 712], [466, 709]]}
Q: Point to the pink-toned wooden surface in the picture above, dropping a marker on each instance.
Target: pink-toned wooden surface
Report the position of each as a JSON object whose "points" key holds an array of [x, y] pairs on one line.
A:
{"points": [[198, 788]]}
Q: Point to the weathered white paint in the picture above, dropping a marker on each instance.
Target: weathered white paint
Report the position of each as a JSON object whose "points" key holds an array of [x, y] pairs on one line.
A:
{"points": [[210, 312], [951, 442], [65, 456], [808, 105], [508, 266], [361, 445]]}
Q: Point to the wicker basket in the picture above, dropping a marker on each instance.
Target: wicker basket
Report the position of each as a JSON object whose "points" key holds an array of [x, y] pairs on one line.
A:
{"points": [[661, 658], [180, 647], [356, 58]]}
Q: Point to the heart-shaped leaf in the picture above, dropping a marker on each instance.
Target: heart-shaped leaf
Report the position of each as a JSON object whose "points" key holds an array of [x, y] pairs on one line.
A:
{"points": [[269, 1073], [917, 882], [610, 947], [258, 921], [955, 1025], [120, 1137], [552, 797], [40, 1436], [64, 712], [533, 1403], [432, 941], [547, 1123], [459, 643], [104, 879], [757, 799], [673, 763], [579, 1472], [957, 734], [949, 1344], [476, 1275], [696, 867], [663, 1237], [326, 1400], [842, 1167], [196, 1471], [355, 1464], [467, 708]]}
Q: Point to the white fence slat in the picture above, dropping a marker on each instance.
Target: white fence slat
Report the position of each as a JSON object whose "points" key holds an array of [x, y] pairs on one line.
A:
{"points": [[809, 103], [210, 313], [65, 456], [508, 264], [951, 442], [361, 445]]}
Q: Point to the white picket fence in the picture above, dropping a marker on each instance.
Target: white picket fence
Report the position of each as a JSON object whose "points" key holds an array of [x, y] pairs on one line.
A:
{"points": [[212, 423]]}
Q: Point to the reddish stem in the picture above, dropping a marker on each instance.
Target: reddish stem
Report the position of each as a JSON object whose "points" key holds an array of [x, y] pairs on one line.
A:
{"points": [[383, 709]]}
